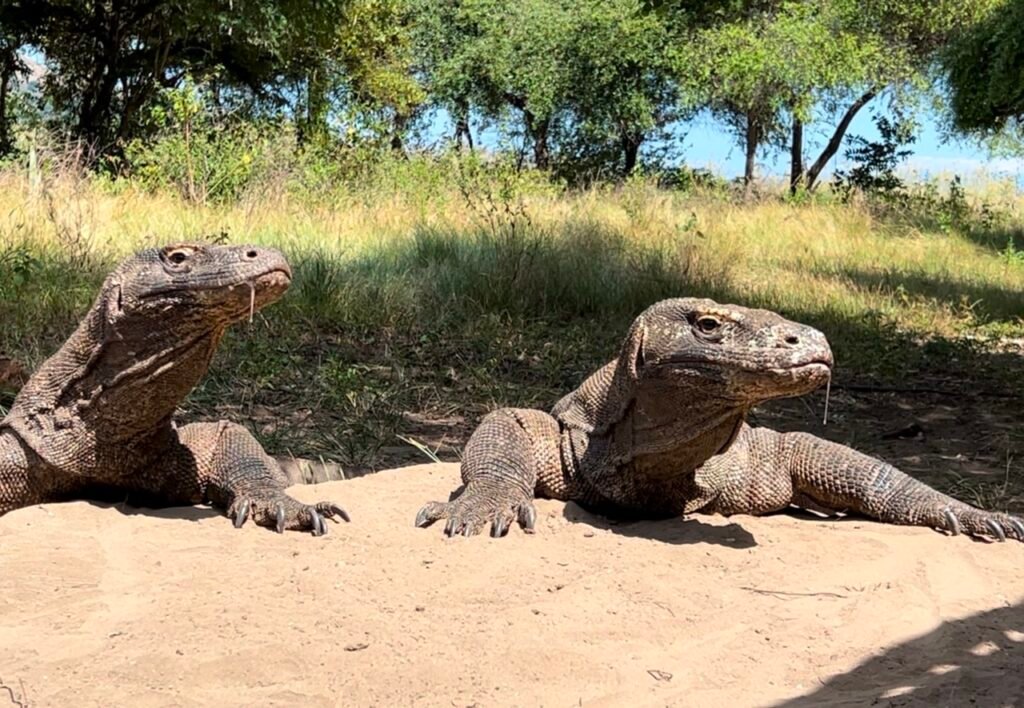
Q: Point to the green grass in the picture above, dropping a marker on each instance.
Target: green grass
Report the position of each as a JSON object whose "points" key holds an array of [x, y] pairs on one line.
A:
{"points": [[414, 311]]}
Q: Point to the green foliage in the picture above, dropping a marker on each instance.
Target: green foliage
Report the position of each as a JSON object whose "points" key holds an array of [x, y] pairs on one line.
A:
{"points": [[875, 162], [759, 66], [108, 57], [17, 267], [1011, 254], [203, 159], [985, 71], [590, 77]]}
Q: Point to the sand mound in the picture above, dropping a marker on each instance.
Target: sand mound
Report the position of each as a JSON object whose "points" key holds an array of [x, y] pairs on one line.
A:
{"points": [[100, 605]]}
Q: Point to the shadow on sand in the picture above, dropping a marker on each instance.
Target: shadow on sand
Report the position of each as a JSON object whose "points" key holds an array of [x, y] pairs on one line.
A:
{"points": [[974, 661]]}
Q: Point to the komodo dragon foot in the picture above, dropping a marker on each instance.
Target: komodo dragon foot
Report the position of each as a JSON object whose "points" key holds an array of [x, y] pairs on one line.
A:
{"points": [[479, 505], [282, 512]]}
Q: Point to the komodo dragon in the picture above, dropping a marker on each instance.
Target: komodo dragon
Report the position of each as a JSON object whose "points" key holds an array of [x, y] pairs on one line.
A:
{"points": [[660, 431], [96, 417]]}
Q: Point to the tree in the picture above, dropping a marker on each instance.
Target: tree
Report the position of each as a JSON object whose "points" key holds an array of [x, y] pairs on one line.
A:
{"points": [[760, 64], [11, 65], [985, 65], [492, 56], [108, 57], [622, 75], [375, 62], [585, 74]]}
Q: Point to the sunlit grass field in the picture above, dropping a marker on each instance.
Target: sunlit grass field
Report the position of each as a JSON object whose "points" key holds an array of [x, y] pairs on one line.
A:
{"points": [[419, 303]]}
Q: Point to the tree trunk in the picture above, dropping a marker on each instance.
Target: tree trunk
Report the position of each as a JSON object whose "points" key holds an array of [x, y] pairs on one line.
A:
{"points": [[462, 129], [398, 127], [753, 139], [538, 130], [631, 143], [8, 65], [141, 90], [837, 138], [314, 124], [796, 164]]}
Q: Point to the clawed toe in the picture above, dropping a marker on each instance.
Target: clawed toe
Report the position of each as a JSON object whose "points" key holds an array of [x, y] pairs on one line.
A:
{"points": [[279, 525], [982, 524], [996, 529], [331, 511], [242, 514], [527, 517], [1018, 527], [500, 527], [952, 523], [429, 514]]}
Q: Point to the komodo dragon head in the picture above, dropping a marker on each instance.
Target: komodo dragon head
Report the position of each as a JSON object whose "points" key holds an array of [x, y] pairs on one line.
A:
{"points": [[146, 342], [689, 370], [214, 285], [726, 351]]}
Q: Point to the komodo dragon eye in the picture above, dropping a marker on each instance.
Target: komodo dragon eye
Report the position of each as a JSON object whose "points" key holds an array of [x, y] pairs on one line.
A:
{"points": [[179, 255], [707, 324]]}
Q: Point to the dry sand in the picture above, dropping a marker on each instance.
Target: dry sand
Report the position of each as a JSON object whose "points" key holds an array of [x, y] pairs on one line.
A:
{"points": [[108, 606]]}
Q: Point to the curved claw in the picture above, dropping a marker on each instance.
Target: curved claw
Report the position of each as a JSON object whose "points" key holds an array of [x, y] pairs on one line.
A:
{"points": [[527, 517], [500, 527], [429, 514], [280, 518], [996, 529], [952, 523], [1018, 526], [319, 527], [423, 519], [242, 515], [449, 528], [331, 510]]}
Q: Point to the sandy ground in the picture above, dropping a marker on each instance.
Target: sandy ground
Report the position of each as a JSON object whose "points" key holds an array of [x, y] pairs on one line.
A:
{"points": [[102, 605]]}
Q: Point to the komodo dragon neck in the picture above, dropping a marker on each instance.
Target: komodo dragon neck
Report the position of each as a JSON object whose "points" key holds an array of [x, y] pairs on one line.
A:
{"points": [[109, 385], [646, 423]]}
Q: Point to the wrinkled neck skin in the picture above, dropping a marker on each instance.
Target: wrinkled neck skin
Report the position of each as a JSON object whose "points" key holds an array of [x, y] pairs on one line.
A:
{"points": [[120, 380], [672, 431], [659, 428]]}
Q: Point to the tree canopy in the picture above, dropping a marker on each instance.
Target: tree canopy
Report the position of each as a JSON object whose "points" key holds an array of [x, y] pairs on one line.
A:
{"points": [[986, 70], [586, 84]]}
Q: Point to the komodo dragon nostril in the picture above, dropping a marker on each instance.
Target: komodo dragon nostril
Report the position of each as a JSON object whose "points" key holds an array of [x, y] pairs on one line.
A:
{"points": [[251, 255], [792, 339]]}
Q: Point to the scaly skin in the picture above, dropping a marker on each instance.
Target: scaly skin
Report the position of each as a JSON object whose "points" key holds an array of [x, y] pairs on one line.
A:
{"points": [[661, 431], [97, 416]]}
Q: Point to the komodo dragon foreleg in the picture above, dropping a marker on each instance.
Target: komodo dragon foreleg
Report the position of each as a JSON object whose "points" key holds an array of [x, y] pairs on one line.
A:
{"points": [[24, 478], [513, 452], [766, 471], [222, 463]]}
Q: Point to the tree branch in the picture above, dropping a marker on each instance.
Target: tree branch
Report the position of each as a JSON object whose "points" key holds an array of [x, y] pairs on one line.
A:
{"points": [[837, 137]]}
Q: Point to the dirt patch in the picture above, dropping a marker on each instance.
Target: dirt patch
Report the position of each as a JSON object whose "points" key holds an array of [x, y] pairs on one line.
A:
{"points": [[102, 605]]}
